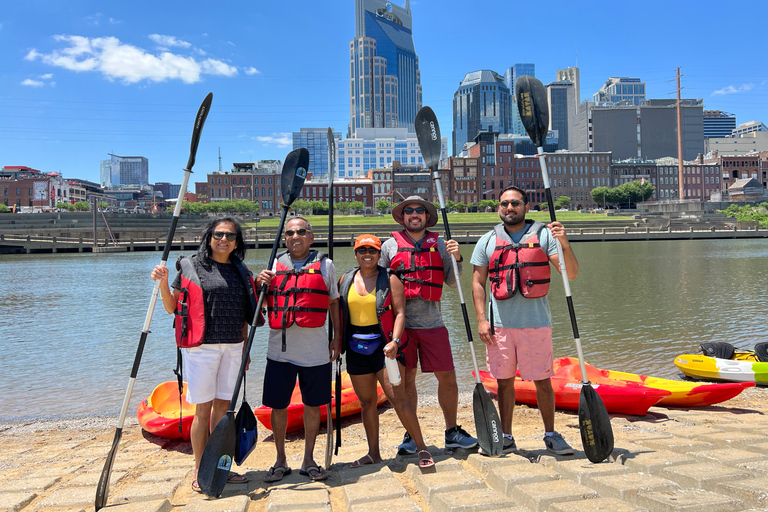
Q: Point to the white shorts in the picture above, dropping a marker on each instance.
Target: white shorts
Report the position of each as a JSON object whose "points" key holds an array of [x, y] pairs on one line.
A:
{"points": [[211, 371]]}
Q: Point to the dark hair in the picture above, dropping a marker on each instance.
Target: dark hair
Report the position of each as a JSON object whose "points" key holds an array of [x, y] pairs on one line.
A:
{"points": [[517, 189], [299, 217], [204, 250]]}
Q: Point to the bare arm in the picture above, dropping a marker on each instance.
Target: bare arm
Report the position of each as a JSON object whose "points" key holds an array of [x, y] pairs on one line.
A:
{"points": [[479, 278], [335, 348], [397, 292], [169, 297], [571, 264]]}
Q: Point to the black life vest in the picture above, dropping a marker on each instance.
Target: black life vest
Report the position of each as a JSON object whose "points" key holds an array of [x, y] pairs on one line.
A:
{"points": [[421, 269], [384, 312], [522, 266]]}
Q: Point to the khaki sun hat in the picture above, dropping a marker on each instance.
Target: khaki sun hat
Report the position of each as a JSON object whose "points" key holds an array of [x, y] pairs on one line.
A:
{"points": [[397, 211]]}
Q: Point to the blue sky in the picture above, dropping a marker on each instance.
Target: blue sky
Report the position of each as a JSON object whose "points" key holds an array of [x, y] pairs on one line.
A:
{"points": [[81, 79]]}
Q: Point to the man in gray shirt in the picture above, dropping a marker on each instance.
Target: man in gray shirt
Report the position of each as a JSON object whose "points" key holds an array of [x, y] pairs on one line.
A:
{"points": [[423, 261]]}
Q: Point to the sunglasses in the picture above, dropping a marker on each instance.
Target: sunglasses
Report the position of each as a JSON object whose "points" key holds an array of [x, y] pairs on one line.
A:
{"points": [[515, 203], [366, 250], [411, 211], [218, 235], [301, 232]]}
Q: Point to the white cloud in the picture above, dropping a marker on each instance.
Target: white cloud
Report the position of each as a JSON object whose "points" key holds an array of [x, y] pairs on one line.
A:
{"points": [[113, 21], [251, 71], [280, 140], [734, 90], [127, 63], [32, 83], [47, 76], [169, 41], [1, 26]]}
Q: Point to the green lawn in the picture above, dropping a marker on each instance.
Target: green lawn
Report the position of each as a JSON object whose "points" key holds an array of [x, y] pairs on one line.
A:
{"points": [[458, 218]]}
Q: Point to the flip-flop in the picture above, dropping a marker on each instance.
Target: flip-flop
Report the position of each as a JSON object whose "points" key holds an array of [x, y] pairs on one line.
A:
{"points": [[361, 461], [315, 473], [196, 486], [425, 461], [236, 478], [276, 473]]}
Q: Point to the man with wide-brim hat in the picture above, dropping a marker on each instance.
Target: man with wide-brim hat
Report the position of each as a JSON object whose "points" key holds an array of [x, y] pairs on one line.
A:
{"points": [[422, 260]]}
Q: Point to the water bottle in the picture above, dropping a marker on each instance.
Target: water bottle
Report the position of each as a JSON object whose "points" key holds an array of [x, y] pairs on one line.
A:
{"points": [[392, 370]]}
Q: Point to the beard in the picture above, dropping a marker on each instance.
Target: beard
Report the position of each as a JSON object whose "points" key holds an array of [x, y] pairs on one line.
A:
{"points": [[510, 219]]}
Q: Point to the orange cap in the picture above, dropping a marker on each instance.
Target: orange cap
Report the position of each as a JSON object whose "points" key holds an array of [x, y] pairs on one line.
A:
{"points": [[368, 241]]}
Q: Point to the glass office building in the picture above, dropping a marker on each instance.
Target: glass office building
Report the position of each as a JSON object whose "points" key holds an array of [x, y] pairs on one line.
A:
{"points": [[510, 76], [316, 142], [482, 102]]}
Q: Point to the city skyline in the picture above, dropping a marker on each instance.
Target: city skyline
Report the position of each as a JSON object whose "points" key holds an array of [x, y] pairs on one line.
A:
{"points": [[84, 80]]}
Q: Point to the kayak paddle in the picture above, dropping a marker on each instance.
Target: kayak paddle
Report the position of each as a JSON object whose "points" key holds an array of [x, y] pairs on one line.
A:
{"points": [[594, 422], [487, 422], [329, 420], [219, 451], [102, 489]]}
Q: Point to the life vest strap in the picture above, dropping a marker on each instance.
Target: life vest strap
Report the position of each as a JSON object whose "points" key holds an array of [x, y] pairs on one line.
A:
{"points": [[421, 282]]}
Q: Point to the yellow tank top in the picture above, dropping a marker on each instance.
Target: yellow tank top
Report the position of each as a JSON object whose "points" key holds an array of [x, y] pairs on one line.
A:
{"points": [[362, 310]]}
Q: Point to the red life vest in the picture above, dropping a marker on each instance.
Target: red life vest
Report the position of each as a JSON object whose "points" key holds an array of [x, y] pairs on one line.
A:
{"points": [[299, 296], [522, 266], [421, 268], [189, 319], [384, 311]]}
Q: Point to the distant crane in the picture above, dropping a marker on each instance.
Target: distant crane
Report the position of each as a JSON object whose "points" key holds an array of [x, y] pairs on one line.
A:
{"points": [[219, 159]]}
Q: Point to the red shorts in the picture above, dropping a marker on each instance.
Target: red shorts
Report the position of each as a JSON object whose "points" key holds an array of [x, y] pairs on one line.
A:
{"points": [[430, 346], [529, 349]]}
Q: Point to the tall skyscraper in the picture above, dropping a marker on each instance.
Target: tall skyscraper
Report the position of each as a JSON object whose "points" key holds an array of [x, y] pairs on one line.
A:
{"points": [[316, 142], [128, 170], [718, 124], [572, 75], [385, 82], [510, 76], [561, 97], [482, 102]]}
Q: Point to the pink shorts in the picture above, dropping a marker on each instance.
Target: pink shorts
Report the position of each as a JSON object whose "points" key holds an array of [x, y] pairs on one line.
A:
{"points": [[430, 346], [529, 349]]}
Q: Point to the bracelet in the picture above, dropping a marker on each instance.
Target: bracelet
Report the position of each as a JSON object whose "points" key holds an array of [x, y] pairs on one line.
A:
{"points": [[397, 341]]}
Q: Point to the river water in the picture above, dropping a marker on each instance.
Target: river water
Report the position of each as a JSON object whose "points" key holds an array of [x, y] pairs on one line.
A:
{"points": [[70, 323]]}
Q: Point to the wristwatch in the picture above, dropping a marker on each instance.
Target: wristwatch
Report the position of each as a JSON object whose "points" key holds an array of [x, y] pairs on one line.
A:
{"points": [[397, 341]]}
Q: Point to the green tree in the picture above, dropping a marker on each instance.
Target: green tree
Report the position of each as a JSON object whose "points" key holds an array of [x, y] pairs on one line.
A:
{"points": [[319, 207], [301, 206], [562, 202], [103, 205], [485, 203], [383, 205], [599, 195], [61, 205], [356, 206], [342, 207], [82, 206], [4, 209]]}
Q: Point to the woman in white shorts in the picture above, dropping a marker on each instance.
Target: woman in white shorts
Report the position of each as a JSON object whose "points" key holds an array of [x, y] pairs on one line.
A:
{"points": [[214, 299]]}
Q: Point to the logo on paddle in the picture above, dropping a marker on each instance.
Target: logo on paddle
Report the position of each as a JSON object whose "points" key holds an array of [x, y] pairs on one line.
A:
{"points": [[301, 172], [434, 131], [225, 462]]}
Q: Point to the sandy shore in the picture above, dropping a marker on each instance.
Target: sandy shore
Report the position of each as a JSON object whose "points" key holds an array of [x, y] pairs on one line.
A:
{"points": [[72, 451]]}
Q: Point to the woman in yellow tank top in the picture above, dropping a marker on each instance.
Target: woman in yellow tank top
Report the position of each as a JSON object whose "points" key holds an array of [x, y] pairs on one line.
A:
{"points": [[372, 305]]}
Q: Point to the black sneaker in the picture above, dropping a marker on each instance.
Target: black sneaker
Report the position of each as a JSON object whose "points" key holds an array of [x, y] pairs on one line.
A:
{"points": [[509, 446], [457, 437]]}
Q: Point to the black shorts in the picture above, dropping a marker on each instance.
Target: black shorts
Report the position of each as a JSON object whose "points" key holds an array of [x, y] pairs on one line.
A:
{"points": [[360, 364], [280, 379]]}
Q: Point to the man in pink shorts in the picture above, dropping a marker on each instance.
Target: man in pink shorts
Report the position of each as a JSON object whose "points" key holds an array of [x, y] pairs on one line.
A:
{"points": [[516, 257]]}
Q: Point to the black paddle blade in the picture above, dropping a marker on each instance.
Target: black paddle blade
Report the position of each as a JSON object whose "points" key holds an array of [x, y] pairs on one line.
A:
{"points": [[102, 490], [331, 153], [487, 422], [202, 115], [595, 425], [533, 107], [293, 175], [217, 457], [428, 133]]}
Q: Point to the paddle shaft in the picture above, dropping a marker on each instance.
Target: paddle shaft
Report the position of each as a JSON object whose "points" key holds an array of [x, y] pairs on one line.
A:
{"points": [[329, 419], [563, 271]]}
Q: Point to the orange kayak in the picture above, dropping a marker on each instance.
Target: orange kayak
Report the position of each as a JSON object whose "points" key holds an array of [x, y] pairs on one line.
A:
{"points": [[350, 405], [159, 412]]}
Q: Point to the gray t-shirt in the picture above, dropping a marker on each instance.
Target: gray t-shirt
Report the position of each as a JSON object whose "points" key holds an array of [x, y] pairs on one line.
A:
{"points": [[304, 346], [420, 313]]}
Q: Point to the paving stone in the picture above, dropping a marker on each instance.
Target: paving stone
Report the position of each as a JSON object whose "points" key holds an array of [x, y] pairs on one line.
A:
{"points": [[727, 456], [595, 505], [753, 492], [147, 492], [760, 467], [703, 475], [395, 505], [708, 418], [581, 470], [483, 464], [233, 504], [349, 475], [429, 485], [144, 446], [688, 500], [760, 447], [13, 501], [28, 484], [448, 465], [679, 445], [69, 497], [471, 501], [538, 497], [168, 474], [92, 479], [122, 464], [653, 461], [55, 471], [734, 439], [297, 498], [627, 487], [693, 432], [144, 506], [506, 478]]}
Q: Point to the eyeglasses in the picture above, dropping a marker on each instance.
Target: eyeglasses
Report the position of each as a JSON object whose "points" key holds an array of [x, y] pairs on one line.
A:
{"points": [[515, 203], [362, 251], [218, 235], [301, 232], [410, 211]]}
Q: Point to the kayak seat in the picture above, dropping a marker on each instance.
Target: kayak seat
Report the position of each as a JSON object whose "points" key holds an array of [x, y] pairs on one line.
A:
{"points": [[720, 349], [761, 351]]}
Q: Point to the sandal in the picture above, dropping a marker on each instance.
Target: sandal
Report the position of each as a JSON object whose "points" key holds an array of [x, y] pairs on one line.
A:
{"points": [[315, 473], [236, 478], [362, 461], [196, 486], [276, 473], [425, 459]]}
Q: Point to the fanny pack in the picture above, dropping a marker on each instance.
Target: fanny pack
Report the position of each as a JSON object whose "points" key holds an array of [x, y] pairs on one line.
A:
{"points": [[365, 343]]}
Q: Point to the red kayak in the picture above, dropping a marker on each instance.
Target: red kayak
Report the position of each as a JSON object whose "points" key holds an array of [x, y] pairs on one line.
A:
{"points": [[350, 404], [159, 412]]}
